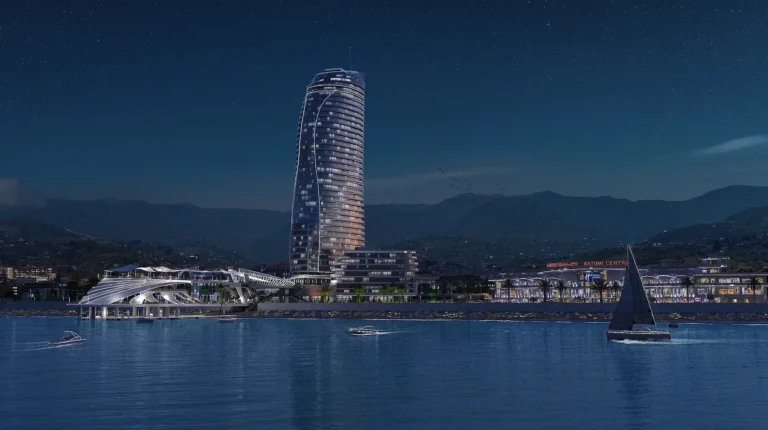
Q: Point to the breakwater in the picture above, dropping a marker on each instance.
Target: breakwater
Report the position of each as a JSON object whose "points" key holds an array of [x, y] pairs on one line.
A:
{"points": [[37, 308], [712, 312]]}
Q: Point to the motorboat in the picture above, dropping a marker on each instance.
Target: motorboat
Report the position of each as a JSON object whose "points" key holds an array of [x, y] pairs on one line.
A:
{"points": [[69, 338], [674, 325], [227, 319], [633, 309], [364, 331], [145, 320]]}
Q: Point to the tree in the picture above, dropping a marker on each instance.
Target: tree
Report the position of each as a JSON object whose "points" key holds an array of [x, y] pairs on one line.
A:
{"points": [[687, 283], [401, 290], [545, 286], [384, 291], [393, 290], [508, 287], [326, 291], [616, 289], [561, 289], [754, 284], [600, 286], [222, 294], [423, 288], [359, 292]]}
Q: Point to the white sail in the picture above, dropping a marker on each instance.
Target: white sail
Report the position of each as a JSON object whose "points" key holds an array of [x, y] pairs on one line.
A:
{"points": [[633, 307]]}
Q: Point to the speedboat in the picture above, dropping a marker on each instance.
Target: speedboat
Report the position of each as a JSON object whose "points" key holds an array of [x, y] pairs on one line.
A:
{"points": [[145, 320], [69, 337], [364, 331], [227, 319]]}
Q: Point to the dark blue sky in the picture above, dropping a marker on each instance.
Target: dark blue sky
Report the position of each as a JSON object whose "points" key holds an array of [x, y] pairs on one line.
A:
{"points": [[198, 101]]}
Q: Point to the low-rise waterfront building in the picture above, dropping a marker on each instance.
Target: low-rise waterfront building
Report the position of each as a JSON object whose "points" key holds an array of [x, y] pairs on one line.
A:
{"points": [[582, 282], [375, 275], [161, 291]]}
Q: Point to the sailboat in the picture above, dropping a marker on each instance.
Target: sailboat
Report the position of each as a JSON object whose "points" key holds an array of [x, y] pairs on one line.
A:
{"points": [[633, 309]]}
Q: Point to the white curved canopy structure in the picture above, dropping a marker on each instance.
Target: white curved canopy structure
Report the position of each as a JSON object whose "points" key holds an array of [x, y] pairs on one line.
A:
{"points": [[142, 285]]}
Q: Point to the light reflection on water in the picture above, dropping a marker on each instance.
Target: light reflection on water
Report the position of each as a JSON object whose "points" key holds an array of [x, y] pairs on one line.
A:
{"points": [[311, 374]]}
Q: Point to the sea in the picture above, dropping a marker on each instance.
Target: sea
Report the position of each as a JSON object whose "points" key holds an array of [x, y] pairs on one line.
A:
{"points": [[312, 374]]}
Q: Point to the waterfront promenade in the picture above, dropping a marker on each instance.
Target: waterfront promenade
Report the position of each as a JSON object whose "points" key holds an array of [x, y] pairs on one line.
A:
{"points": [[551, 311]]}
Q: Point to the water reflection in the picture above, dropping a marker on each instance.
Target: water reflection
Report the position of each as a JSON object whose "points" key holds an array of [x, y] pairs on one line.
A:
{"points": [[282, 374]]}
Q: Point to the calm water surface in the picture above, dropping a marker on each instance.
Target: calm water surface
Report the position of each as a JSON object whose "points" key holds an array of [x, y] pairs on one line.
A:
{"points": [[310, 374]]}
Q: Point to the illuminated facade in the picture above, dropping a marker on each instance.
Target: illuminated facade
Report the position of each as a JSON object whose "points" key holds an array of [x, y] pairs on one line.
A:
{"points": [[370, 272], [327, 216], [664, 285]]}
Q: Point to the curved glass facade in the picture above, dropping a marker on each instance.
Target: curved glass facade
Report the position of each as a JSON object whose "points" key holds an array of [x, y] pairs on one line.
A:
{"points": [[327, 216]]}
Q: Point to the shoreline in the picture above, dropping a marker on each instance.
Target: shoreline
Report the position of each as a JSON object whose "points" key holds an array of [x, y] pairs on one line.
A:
{"points": [[744, 317], [752, 318]]}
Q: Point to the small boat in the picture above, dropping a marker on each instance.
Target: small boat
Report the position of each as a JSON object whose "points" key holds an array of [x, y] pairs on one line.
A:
{"points": [[634, 308], [145, 320], [69, 337], [227, 319], [364, 331], [673, 325]]}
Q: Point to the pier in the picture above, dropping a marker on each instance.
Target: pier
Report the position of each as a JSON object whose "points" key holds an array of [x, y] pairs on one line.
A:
{"points": [[153, 310]]}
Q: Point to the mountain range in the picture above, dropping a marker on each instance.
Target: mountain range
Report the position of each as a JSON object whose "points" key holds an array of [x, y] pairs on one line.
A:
{"points": [[31, 243], [749, 222], [538, 225]]}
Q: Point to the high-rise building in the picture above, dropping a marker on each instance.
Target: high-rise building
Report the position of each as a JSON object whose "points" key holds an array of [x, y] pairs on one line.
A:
{"points": [[328, 216]]}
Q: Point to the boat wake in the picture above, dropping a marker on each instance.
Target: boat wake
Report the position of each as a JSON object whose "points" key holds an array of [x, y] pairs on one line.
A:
{"points": [[668, 342], [45, 346], [375, 334]]}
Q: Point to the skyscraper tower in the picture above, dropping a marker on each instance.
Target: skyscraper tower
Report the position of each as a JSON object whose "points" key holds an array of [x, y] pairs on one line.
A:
{"points": [[328, 216]]}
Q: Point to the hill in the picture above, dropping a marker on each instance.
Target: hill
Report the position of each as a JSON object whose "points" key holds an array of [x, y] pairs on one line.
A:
{"points": [[750, 222], [540, 224], [31, 243]]}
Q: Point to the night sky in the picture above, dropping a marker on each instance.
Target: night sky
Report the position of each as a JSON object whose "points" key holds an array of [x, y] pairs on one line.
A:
{"points": [[198, 101]]}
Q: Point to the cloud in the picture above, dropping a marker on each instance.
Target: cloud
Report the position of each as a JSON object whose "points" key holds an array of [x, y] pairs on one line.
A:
{"points": [[9, 188], [734, 145], [436, 176]]}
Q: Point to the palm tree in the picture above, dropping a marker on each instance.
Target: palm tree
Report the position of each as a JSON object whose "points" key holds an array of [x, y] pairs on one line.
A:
{"points": [[545, 286], [616, 289], [423, 288], [561, 288], [359, 292], [600, 286], [401, 290], [687, 283], [395, 291], [508, 287], [326, 291], [391, 289], [754, 284], [383, 291], [223, 295]]}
